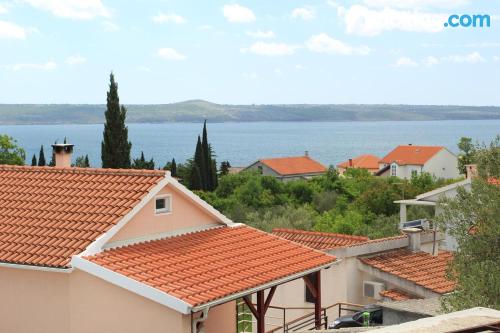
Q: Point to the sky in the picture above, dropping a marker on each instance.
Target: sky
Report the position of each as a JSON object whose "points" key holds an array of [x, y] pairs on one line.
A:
{"points": [[249, 52]]}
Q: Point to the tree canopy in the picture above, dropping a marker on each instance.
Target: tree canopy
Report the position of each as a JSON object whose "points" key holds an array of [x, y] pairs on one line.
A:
{"points": [[10, 152]]}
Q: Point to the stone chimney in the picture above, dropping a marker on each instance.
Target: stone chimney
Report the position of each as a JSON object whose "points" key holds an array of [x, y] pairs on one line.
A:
{"points": [[62, 153], [414, 238], [471, 171]]}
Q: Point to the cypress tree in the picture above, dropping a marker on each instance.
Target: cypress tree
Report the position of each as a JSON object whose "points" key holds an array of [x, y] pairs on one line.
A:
{"points": [[52, 159], [33, 161], [41, 157], [115, 147], [173, 168], [207, 163], [87, 163], [196, 177]]}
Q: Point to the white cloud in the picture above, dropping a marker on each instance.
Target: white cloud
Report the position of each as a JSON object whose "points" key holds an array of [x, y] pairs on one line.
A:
{"points": [[261, 34], [472, 58], [110, 26], [169, 18], [170, 54], [496, 58], [363, 21], [3, 9], [76, 60], [278, 71], [300, 67], [271, 49], [72, 9], [430, 61], [205, 27], [238, 14], [333, 3], [416, 4], [48, 66], [406, 62], [10, 30], [305, 13], [322, 43]]}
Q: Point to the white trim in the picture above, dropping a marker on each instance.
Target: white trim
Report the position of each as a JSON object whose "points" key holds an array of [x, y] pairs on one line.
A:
{"points": [[443, 189], [132, 285], [162, 235], [265, 286], [166, 210], [36, 268]]}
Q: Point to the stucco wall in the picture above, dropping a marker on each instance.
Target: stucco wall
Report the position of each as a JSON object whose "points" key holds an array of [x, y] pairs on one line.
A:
{"points": [[33, 301], [443, 165], [266, 171], [185, 214], [221, 319]]}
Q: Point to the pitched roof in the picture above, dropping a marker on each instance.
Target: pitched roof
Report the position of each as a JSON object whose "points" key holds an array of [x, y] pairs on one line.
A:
{"points": [[48, 214], [396, 295], [366, 161], [414, 155], [421, 268], [204, 266], [494, 181], [319, 240], [294, 165]]}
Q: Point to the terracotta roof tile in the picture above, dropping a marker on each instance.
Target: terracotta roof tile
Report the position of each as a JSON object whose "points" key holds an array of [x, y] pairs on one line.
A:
{"points": [[414, 155], [204, 266], [494, 181], [319, 240], [366, 161], [396, 295], [294, 165], [48, 214], [420, 268]]}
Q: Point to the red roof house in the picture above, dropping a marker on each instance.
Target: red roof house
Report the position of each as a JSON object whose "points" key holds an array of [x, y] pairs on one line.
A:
{"points": [[366, 161], [289, 168]]}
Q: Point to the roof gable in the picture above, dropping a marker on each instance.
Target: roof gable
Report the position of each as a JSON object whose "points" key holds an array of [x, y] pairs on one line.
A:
{"points": [[48, 214], [366, 161], [411, 155], [286, 166]]}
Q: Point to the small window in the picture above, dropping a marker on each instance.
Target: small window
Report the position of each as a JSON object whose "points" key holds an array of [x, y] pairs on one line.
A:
{"points": [[414, 173], [393, 170], [260, 169], [309, 296], [163, 204]]}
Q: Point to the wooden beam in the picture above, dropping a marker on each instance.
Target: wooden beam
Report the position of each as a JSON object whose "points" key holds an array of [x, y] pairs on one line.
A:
{"points": [[310, 286], [317, 303], [269, 299], [252, 308], [261, 323]]}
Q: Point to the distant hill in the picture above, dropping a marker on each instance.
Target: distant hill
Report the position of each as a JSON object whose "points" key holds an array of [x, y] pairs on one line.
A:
{"points": [[198, 110]]}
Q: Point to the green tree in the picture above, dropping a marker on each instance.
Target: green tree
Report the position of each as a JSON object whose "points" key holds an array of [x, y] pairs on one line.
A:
{"points": [[196, 179], [115, 147], [10, 152], [33, 160], [41, 157], [466, 154], [82, 162], [472, 218], [173, 168], [142, 163], [224, 168]]}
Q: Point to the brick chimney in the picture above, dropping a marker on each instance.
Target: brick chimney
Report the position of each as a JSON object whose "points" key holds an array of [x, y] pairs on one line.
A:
{"points": [[414, 238], [62, 153], [350, 162]]}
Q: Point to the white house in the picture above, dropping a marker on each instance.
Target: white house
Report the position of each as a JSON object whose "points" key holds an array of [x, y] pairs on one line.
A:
{"points": [[405, 161]]}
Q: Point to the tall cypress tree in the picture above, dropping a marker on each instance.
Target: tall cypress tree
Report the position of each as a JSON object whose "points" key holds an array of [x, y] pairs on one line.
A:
{"points": [[207, 163], [115, 147], [33, 160], [173, 168], [87, 162], [196, 180], [41, 157]]}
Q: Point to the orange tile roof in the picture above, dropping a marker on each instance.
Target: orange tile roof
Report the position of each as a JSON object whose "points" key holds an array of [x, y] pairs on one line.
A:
{"points": [[366, 161], [208, 265], [294, 165], [420, 268], [319, 240], [396, 295], [414, 155], [494, 181], [48, 214]]}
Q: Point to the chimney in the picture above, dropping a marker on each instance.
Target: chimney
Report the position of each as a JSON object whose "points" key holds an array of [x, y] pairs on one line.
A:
{"points": [[471, 171], [350, 162], [414, 238], [62, 153], [306, 153]]}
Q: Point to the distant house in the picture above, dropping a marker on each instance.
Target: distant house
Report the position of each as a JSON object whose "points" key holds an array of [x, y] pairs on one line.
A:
{"points": [[405, 161], [367, 161], [289, 168]]}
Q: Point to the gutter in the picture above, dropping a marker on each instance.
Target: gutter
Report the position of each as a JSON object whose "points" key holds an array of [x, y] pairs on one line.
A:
{"points": [[268, 285], [37, 268]]}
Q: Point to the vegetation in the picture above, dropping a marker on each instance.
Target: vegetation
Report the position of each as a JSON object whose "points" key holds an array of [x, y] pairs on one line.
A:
{"points": [[358, 203], [466, 154], [10, 152], [82, 162], [41, 157], [203, 167], [115, 147], [472, 218], [142, 163]]}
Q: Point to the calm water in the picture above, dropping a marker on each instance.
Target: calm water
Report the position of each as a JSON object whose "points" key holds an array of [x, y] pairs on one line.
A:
{"points": [[242, 143]]}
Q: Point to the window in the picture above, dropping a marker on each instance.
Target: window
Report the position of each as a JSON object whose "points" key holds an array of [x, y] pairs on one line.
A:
{"points": [[414, 173], [309, 296], [163, 204], [393, 170], [260, 169]]}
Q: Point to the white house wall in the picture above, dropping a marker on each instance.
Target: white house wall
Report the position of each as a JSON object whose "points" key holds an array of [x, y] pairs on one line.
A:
{"points": [[444, 164]]}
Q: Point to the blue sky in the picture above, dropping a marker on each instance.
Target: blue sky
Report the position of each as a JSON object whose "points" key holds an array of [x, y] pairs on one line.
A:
{"points": [[365, 51]]}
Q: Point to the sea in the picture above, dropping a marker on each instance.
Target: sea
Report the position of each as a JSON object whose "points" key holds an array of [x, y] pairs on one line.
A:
{"points": [[242, 143]]}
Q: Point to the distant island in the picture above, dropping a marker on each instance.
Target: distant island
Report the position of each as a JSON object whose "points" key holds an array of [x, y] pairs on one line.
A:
{"points": [[199, 110]]}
